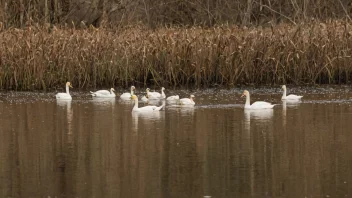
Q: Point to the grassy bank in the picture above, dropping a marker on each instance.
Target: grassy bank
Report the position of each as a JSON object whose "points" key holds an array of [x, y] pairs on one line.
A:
{"points": [[33, 58]]}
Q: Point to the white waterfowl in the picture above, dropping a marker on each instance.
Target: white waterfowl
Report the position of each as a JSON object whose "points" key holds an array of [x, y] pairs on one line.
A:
{"points": [[65, 96], [155, 95], [146, 97], [144, 109], [289, 97], [127, 96], [104, 93], [256, 105], [173, 98], [188, 101], [163, 96]]}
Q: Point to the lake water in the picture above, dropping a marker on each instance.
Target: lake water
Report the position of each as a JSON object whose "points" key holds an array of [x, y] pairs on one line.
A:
{"points": [[94, 148]]}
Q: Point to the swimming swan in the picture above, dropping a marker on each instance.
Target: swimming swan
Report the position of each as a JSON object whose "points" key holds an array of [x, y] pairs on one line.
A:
{"points": [[104, 93], [255, 105], [173, 98], [145, 108], [188, 101], [154, 95], [127, 96], [289, 97], [65, 96]]}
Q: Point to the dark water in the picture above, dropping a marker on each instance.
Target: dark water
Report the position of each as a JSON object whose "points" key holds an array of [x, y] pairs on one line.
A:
{"points": [[93, 148]]}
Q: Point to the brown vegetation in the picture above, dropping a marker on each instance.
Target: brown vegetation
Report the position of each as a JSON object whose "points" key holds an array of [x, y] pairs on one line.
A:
{"points": [[154, 13], [33, 58]]}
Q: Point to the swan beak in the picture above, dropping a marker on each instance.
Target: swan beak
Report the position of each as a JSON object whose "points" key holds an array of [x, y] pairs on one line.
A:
{"points": [[243, 95], [71, 86]]}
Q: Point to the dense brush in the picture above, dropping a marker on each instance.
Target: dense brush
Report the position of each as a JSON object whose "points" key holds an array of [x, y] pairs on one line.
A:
{"points": [[33, 58]]}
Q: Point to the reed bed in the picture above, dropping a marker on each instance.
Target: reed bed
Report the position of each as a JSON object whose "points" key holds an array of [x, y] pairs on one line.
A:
{"points": [[37, 59]]}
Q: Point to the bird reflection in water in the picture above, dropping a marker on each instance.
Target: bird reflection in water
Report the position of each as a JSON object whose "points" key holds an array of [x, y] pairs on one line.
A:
{"points": [[262, 115], [104, 102], [61, 160], [289, 104], [145, 119]]}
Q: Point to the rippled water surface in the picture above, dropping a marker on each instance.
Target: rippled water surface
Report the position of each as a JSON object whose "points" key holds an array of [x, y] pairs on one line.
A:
{"points": [[98, 148]]}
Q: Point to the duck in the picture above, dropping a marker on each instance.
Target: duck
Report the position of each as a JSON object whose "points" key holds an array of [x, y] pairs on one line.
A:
{"points": [[188, 101], [289, 97], [127, 96], [145, 108], [255, 105], [65, 96], [104, 93]]}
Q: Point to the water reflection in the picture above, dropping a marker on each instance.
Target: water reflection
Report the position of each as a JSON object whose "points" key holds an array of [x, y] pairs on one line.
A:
{"points": [[290, 104], [69, 113], [154, 102], [104, 102], [84, 148], [262, 115], [184, 110], [146, 119]]}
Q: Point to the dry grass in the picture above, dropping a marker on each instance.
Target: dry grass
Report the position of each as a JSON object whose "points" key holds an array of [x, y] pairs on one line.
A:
{"points": [[33, 58]]}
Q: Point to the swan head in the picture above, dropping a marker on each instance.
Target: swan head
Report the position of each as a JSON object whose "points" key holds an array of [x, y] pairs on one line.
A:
{"points": [[192, 96], [283, 87], [68, 84], [133, 88], [147, 89], [112, 89], [245, 93], [162, 88], [134, 97]]}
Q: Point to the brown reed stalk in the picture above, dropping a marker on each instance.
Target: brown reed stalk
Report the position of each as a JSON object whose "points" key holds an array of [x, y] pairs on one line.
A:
{"points": [[34, 59]]}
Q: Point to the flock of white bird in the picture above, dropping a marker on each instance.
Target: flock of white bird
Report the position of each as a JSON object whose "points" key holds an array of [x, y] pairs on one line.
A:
{"points": [[171, 99]]}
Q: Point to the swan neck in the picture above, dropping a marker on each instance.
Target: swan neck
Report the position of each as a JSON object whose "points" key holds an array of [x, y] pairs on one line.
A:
{"points": [[135, 104], [132, 91], [284, 94], [67, 89], [248, 104]]}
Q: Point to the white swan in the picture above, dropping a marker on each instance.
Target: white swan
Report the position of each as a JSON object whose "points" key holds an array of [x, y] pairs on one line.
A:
{"points": [[144, 99], [188, 101], [289, 97], [144, 109], [65, 96], [104, 93], [163, 96], [256, 105], [155, 95], [127, 96], [173, 98]]}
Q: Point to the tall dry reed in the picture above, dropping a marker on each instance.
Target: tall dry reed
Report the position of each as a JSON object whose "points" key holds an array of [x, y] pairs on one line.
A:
{"points": [[33, 58]]}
